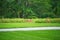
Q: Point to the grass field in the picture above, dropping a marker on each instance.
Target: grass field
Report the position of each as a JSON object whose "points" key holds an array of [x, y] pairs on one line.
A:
{"points": [[19, 25], [40, 20], [31, 35]]}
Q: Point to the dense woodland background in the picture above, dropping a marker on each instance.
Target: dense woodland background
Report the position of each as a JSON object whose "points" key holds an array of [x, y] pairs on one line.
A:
{"points": [[29, 8]]}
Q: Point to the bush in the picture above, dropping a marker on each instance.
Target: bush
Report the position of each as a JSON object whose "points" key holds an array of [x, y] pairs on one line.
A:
{"points": [[40, 22], [37, 21], [55, 21], [10, 21], [30, 20], [48, 21]]}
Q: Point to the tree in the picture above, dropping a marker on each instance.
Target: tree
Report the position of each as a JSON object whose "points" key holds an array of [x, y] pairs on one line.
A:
{"points": [[55, 7], [29, 8]]}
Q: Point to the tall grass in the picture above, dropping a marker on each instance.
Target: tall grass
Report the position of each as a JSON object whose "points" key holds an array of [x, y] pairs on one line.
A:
{"points": [[41, 20]]}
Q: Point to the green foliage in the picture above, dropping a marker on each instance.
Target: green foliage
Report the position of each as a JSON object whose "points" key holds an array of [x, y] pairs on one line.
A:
{"points": [[29, 8], [46, 20], [40, 21]]}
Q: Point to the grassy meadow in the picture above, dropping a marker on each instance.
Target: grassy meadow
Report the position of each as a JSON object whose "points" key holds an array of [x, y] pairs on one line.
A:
{"points": [[17, 23], [21, 25], [31, 35]]}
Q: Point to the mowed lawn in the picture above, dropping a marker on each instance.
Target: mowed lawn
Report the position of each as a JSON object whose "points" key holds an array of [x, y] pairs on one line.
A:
{"points": [[31, 35], [19, 25]]}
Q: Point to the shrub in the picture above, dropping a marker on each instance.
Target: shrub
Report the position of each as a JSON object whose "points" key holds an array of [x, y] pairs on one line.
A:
{"points": [[55, 21], [48, 21], [37, 21], [30, 20], [40, 21], [11, 21]]}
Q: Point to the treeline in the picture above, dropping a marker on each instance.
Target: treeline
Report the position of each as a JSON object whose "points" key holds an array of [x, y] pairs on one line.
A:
{"points": [[29, 8]]}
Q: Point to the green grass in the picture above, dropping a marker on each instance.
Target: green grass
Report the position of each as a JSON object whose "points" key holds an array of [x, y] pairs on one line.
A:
{"points": [[31, 35], [40, 20], [19, 25]]}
